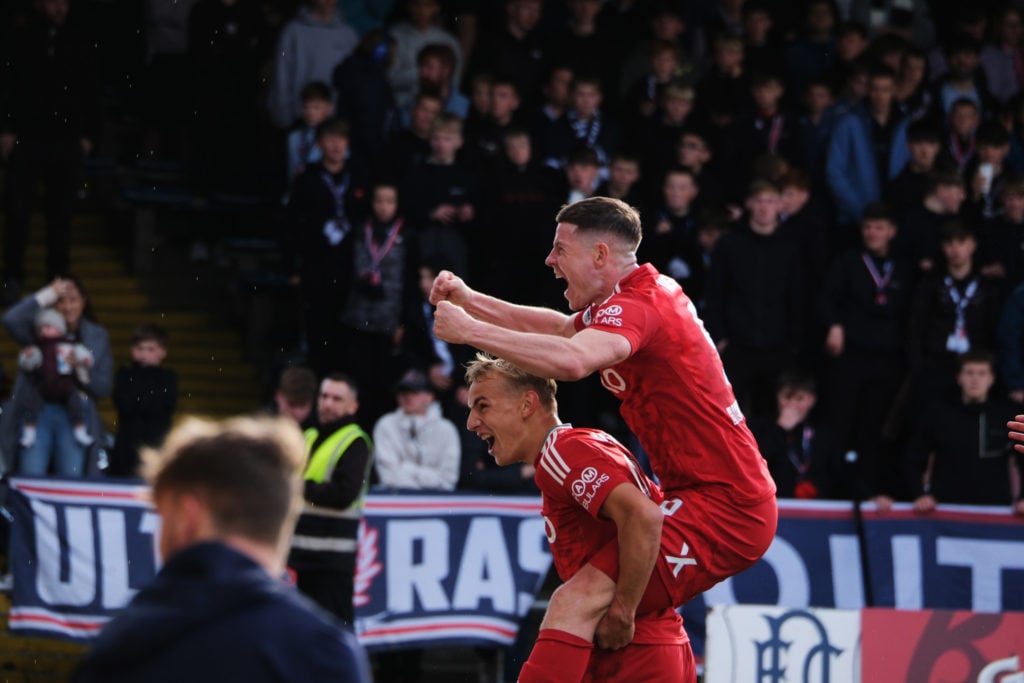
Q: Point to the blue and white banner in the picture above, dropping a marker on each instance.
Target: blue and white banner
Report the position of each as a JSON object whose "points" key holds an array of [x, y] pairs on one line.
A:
{"points": [[432, 569], [79, 552], [448, 569]]}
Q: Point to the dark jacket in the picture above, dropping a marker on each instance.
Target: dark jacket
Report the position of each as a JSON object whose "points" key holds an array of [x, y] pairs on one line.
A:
{"points": [[871, 324], [213, 615], [971, 450], [806, 453], [755, 293], [145, 398]]}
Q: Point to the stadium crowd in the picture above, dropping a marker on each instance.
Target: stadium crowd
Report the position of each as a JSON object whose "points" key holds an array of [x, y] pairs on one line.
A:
{"points": [[838, 187]]}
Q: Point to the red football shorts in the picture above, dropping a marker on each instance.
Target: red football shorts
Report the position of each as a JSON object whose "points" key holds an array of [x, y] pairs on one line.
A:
{"points": [[705, 538], [648, 663]]}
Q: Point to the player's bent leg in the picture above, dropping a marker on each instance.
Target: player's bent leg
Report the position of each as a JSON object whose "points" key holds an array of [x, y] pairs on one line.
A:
{"points": [[577, 605], [564, 644]]}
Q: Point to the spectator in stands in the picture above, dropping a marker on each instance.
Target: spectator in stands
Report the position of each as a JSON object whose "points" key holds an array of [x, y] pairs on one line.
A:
{"points": [[411, 35], [864, 306], [666, 24], [318, 246], [585, 123], [955, 310], [657, 137], [435, 66], [768, 128], [411, 145], [755, 309], [364, 97], [762, 51], [624, 179], [415, 447], [484, 143], [959, 452], [164, 110], [868, 147], [383, 280], [695, 151], [337, 474], [851, 58], [49, 121], [440, 196], [519, 201], [145, 395], [961, 126], [67, 458], [909, 188], [586, 47], [302, 149], [913, 95], [228, 496], [670, 230], [1001, 239], [908, 19], [965, 79], [308, 49], [555, 102], [1001, 56], [582, 175], [726, 84], [643, 97], [987, 173], [52, 366], [813, 131], [514, 48], [295, 395], [920, 240], [802, 454]]}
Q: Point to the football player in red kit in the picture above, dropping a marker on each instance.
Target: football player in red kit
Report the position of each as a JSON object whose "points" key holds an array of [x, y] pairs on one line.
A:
{"points": [[599, 507], [639, 330]]}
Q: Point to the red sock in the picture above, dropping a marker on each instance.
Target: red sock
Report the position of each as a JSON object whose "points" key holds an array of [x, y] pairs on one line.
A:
{"points": [[557, 657]]}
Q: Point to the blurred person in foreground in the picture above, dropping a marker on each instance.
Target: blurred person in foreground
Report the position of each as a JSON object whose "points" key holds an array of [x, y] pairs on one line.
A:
{"points": [[228, 494]]}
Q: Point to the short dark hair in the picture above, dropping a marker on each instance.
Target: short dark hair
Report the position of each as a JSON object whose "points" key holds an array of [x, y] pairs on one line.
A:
{"points": [[955, 231], [877, 211], [333, 128], [796, 379], [344, 378], [440, 51], [976, 356], [923, 131], [315, 90], [150, 332], [944, 177], [604, 214], [297, 385], [992, 134]]}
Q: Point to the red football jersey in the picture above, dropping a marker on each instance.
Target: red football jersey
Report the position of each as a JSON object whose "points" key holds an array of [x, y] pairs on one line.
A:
{"points": [[675, 395], [576, 471]]}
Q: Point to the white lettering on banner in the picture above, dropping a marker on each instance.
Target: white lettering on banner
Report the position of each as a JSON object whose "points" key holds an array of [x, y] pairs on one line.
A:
{"points": [[80, 587], [150, 524], [847, 587], [114, 553], [83, 565], [485, 571], [533, 555], [986, 560], [406, 580], [906, 572], [790, 573]]}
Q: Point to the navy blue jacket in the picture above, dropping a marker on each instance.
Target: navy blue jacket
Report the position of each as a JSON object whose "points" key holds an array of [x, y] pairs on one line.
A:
{"points": [[212, 615]]}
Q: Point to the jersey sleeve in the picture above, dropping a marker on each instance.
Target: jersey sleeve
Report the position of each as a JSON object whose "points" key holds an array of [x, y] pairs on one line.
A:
{"points": [[584, 469]]}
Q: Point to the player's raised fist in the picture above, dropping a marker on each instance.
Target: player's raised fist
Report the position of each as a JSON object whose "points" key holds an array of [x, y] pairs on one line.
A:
{"points": [[448, 287], [451, 323]]}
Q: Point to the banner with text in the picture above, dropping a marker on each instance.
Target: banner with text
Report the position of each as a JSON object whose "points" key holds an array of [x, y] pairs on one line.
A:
{"points": [[431, 568]]}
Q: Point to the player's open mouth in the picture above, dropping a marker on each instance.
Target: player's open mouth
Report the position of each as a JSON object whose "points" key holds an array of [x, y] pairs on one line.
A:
{"points": [[489, 440]]}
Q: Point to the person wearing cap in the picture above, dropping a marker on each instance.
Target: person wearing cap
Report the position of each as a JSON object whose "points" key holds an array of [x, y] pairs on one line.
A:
{"points": [[323, 550], [52, 364], [416, 447]]}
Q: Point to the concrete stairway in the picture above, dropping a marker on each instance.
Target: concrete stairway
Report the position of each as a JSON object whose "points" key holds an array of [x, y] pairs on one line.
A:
{"points": [[214, 377]]}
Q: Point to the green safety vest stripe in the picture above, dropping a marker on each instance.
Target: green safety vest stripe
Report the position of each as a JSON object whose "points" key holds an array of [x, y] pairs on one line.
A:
{"points": [[330, 451]]}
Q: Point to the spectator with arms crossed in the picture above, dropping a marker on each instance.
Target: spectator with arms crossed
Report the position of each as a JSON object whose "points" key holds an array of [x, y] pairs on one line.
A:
{"points": [[641, 332]]}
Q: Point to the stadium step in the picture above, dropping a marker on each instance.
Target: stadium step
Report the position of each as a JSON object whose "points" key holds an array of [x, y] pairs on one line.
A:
{"points": [[214, 377]]}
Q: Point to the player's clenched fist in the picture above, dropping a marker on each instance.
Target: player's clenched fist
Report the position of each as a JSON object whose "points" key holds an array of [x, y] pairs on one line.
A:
{"points": [[451, 323], [448, 287]]}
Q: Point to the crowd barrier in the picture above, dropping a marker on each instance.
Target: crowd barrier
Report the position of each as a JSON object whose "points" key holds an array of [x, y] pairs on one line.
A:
{"points": [[465, 568]]}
